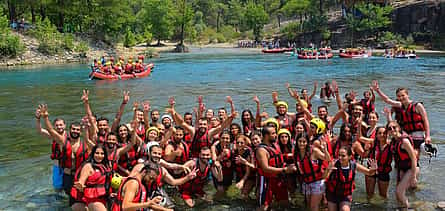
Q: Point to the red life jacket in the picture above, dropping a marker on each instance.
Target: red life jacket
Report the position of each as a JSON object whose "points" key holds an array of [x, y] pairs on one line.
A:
{"points": [[153, 186], [288, 157], [141, 132], [129, 159], [275, 159], [226, 163], [81, 155], [97, 185], [337, 184], [185, 152], [199, 141], [383, 157], [56, 153], [247, 129], [336, 148], [101, 139], [140, 196], [240, 169], [310, 171], [401, 156], [188, 139], [367, 107], [287, 124], [408, 119], [200, 179], [112, 157]]}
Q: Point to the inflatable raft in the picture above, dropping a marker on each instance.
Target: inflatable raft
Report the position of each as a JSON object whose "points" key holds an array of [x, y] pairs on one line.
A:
{"points": [[354, 56], [276, 50], [326, 56], [102, 76]]}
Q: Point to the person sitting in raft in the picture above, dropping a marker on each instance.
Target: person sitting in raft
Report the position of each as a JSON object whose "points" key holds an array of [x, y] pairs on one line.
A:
{"points": [[341, 175], [117, 68], [129, 66], [94, 66]]}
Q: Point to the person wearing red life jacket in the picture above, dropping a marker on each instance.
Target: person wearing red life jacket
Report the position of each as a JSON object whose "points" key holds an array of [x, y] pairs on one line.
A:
{"points": [[92, 181], [405, 160], [188, 118], [235, 131], [129, 159], [222, 155], [286, 146], [284, 118], [309, 161], [202, 167], [410, 115], [340, 179], [367, 104], [382, 153], [56, 148], [366, 140], [100, 127], [132, 193], [245, 176], [271, 170], [177, 150], [115, 151], [74, 150], [307, 98]]}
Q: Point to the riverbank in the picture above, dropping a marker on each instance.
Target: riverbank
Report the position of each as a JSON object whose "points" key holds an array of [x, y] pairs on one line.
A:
{"points": [[32, 56]]}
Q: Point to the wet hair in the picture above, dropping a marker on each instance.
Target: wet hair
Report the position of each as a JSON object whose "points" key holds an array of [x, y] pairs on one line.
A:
{"points": [[225, 131], [243, 122], [342, 135], [222, 108], [205, 148], [203, 119], [119, 138], [401, 89], [373, 112], [58, 119], [139, 109], [376, 131], [255, 132], [302, 90], [347, 149], [188, 114], [393, 122], [150, 166], [179, 128], [265, 130], [113, 134], [75, 123], [239, 130], [322, 106], [102, 119], [91, 160], [154, 110]]}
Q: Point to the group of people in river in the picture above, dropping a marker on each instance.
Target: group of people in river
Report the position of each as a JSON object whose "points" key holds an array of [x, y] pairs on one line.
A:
{"points": [[125, 166], [112, 67], [400, 52]]}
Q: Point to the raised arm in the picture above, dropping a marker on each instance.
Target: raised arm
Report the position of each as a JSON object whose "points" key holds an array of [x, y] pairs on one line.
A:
{"points": [[257, 115], [86, 104], [60, 139], [122, 150], [178, 118], [224, 124], [230, 101], [337, 94], [117, 118], [39, 128], [386, 99], [294, 93], [313, 91], [146, 105], [85, 125]]}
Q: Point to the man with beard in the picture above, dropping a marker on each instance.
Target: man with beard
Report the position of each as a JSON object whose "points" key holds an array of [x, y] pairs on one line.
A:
{"points": [[166, 120], [56, 148], [114, 152], [74, 150], [154, 118], [202, 168], [132, 194], [188, 118], [177, 150], [271, 168], [201, 135], [100, 128], [284, 118], [155, 152]]}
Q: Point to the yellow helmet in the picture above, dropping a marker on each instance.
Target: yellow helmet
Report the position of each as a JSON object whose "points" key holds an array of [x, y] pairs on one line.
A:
{"points": [[152, 128], [116, 181], [282, 103], [273, 121], [99, 62], [320, 125], [108, 63], [284, 131], [303, 103]]}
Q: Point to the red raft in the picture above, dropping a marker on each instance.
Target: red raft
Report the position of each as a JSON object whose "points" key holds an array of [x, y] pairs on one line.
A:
{"points": [[276, 50], [102, 76], [327, 56]]}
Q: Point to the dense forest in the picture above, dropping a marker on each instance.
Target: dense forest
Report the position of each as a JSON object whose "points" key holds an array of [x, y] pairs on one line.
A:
{"points": [[56, 22]]}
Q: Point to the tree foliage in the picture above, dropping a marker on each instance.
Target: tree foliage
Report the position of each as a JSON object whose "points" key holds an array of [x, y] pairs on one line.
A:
{"points": [[256, 18]]}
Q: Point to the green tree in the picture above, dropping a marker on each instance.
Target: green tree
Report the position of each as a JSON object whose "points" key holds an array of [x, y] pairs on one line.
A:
{"points": [[10, 45], [256, 17], [183, 19], [296, 7], [159, 14]]}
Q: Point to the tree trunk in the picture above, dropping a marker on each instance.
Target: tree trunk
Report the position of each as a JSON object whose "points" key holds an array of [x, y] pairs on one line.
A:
{"points": [[42, 12], [279, 21], [217, 21], [12, 11], [61, 15], [33, 14], [159, 42], [321, 7]]}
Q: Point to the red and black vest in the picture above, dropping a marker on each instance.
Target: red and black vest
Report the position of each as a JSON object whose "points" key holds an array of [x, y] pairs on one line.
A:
{"points": [[336, 148], [275, 159], [383, 157], [368, 107], [401, 156], [286, 123], [309, 170], [226, 162], [200, 179], [340, 185], [97, 185], [185, 152], [141, 132], [129, 159], [199, 141], [408, 119], [113, 158], [80, 156], [140, 196], [56, 153], [240, 169], [155, 185]]}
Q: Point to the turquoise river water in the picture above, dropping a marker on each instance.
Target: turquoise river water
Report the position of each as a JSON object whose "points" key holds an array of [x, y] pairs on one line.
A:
{"points": [[25, 167]]}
